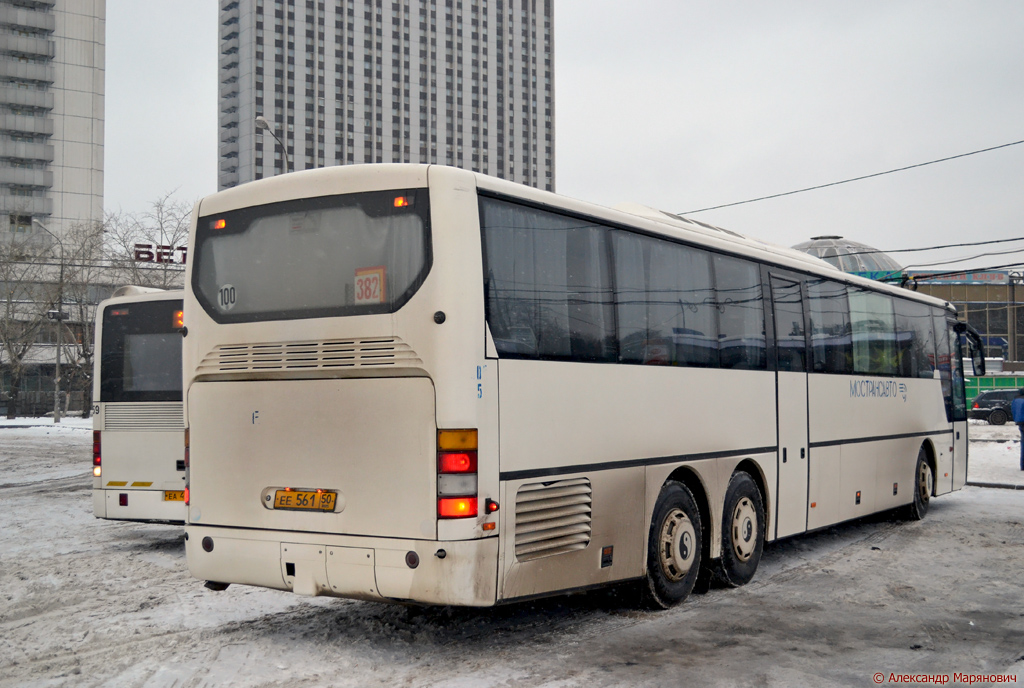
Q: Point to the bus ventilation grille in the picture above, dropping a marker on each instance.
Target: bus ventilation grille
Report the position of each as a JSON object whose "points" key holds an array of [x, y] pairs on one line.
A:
{"points": [[164, 415], [297, 356], [552, 518]]}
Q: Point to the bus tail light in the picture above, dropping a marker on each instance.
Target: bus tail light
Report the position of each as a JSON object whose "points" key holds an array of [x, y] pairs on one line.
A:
{"points": [[186, 495], [457, 474], [456, 462], [97, 454], [456, 507]]}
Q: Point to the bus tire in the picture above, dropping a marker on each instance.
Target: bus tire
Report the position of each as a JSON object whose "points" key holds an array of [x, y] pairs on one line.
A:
{"points": [[743, 527], [924, 482], [674, 547]]}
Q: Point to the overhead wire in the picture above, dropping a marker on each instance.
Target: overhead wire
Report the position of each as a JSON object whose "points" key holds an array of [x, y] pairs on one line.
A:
{"points": [[855, 179]]}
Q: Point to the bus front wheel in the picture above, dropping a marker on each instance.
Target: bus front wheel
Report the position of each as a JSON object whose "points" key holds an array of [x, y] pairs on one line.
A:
{"points": [[674, 547], [924, 481], [743, 526]]}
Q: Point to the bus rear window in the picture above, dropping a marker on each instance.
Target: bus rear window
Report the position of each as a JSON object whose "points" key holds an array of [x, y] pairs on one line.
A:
{"points": [[355, 254], [141, 355]]}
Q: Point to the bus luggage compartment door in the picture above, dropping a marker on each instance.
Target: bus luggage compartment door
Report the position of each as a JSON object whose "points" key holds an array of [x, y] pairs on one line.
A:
{"points": [[346, 456]]}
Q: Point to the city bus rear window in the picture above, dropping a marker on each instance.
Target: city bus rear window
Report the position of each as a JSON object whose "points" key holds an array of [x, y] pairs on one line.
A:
{"points": [[141, 355], [355, 254]]}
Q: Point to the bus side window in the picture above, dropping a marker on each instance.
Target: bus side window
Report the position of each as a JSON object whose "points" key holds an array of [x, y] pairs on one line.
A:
{"points": [[548, 284], [831, 335], [740, 303], [914, 338], [665, 302], [874, 332]]}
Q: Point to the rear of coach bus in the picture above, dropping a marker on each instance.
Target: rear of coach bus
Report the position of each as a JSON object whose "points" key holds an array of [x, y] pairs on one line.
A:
{"points": [[138, 471], [334, 327]]}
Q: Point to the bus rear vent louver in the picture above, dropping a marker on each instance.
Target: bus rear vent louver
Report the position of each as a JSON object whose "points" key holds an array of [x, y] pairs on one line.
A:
{"points": [[552, 518], [162, 415], [298, 356]]}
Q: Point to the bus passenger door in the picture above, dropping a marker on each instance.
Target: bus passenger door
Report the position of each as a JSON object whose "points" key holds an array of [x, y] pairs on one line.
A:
{"points": [[959, 412], [791, 400]]}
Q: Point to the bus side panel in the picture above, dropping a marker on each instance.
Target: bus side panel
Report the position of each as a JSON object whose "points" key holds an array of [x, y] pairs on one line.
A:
{"points": [[556, 417], [824, 489], [866, 419], [612, 549], [557, 414]]}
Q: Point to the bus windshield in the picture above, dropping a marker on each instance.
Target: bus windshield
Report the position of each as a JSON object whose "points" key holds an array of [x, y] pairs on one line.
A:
{"points": [[141, 356], [353, 254]]}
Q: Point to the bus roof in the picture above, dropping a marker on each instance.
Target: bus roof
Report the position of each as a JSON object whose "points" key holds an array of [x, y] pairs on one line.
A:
{"points": [[375, 176]]}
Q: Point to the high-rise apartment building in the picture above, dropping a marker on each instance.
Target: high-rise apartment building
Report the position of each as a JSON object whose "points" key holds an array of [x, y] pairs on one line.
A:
{"points": [[468, 83], [51, 113]]}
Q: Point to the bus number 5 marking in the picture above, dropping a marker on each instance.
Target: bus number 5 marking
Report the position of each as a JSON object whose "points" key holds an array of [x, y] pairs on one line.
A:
{"points": [[226, 297]]}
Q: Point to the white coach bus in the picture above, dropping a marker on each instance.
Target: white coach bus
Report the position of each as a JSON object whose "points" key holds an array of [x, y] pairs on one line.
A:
{"points": [[138, 424], [420, 384]]}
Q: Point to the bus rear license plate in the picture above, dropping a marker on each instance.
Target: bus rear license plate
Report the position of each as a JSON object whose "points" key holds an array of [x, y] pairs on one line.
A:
{"points": [[174, 496], [305, 501]]}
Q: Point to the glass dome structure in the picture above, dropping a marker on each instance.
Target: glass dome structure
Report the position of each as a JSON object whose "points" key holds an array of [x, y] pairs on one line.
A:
{"points": [[849, 256]]}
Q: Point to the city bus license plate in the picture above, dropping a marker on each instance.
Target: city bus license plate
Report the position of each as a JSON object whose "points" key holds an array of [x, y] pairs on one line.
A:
{"points": [[305, 501], [174, 495]]}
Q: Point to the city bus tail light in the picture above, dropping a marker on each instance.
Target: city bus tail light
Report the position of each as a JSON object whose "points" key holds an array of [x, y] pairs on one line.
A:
{"points": [[457, 474], [97, 455]]}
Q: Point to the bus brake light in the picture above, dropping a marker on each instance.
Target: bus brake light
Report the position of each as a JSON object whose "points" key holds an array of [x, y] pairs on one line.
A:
{"points": [[402, 202], [97, 455], [456, 507], [179, 319], [186, 495], [456, 462]]}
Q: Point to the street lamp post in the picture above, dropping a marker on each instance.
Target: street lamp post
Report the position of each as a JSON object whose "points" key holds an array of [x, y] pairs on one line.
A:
{"points": [[263, 125], [57, 315]]}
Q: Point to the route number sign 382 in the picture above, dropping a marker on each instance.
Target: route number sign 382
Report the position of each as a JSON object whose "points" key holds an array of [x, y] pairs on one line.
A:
{"points": [[370, 286]]}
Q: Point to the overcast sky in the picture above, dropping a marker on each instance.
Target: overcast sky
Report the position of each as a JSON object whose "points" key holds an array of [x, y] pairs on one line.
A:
{"points": [[686, 105]]}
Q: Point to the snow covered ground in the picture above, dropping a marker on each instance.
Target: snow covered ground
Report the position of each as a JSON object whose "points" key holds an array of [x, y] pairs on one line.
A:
{"points": [[85, 602]]}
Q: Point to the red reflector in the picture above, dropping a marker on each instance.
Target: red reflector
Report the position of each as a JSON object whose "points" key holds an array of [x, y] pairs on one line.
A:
{"points": [[122, 499], [97, 459], [456, 462], [456, 507], [186, 495]]}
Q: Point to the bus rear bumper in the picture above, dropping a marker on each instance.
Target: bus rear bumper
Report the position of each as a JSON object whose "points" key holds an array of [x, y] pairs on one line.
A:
{"points": [[138, 505], [450, 573]]}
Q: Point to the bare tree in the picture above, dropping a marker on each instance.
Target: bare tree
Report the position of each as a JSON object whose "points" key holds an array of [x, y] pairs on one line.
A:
{"points": [[87, 280], [23, 277], [149, 249]]}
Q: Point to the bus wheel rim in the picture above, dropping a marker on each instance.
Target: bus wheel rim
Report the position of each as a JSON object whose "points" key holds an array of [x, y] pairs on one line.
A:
{"points": [[924, 482], [678, 545], [744, 529]]}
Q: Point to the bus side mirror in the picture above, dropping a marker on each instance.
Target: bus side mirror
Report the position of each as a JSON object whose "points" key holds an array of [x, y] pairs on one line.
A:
{"points": [[978, 362], [976, 347]]}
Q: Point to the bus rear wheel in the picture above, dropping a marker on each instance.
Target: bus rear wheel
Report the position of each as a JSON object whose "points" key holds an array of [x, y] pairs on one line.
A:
{"points": [[743, 526], [674, 547], [924, 481]]}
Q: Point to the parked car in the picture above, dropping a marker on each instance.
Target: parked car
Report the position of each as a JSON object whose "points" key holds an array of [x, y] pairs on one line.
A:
{"points": [[993, 406]]}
